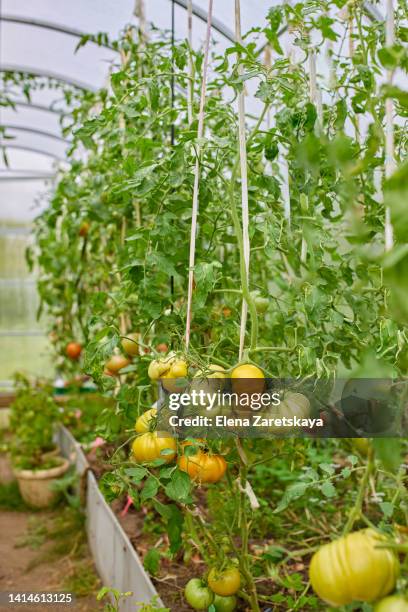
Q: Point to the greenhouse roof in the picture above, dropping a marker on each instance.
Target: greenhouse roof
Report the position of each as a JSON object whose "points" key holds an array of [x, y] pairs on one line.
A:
{"points": [[40, 39]]}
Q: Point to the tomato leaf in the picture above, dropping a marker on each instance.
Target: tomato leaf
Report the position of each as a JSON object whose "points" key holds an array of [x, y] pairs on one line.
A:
{"points": [[136, 474], [388, 451], [179, 487], [328, 489], [151, 561], [175, 520], [150, 488], [293, 492]]}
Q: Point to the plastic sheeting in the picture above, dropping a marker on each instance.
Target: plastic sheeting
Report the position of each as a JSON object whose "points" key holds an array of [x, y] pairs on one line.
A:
{"points": [[41, 38]]}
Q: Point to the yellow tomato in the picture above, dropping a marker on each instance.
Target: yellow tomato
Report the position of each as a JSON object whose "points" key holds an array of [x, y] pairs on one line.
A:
{"points": [[168, 368], [209, 381], [158, 367], [225, 582], [354, 568], [170, 379], [149, 446], [247, 378], [143, 422], [178, 369], [130, 343]]}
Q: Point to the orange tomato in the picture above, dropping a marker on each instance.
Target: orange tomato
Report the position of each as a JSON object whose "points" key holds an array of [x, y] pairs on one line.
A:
{"points": [[73, 350], [84, 229], [203, 466], [162, 348], [116, 363]]}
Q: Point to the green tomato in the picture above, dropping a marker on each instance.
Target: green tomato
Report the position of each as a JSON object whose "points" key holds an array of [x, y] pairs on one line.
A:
{"points": [[198, 595], [261, 303], [225, 604]]}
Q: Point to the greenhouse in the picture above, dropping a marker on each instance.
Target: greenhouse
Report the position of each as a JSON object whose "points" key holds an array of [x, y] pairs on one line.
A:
{"points": [[204, 305]]}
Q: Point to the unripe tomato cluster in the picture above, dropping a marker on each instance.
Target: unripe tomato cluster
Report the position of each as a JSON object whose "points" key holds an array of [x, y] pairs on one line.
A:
{"points": [[219, 590]]}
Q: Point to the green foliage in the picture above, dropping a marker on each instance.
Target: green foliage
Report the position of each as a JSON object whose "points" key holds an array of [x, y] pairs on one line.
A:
{"points": [[33, 415], [10, 498], [117, 597]]}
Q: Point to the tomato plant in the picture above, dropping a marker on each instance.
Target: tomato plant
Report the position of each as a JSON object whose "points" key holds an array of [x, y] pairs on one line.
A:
{"points": [[323, 294]]}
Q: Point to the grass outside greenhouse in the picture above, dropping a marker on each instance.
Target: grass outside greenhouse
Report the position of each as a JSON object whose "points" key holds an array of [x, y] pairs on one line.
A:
{"points": [[203, 309]]}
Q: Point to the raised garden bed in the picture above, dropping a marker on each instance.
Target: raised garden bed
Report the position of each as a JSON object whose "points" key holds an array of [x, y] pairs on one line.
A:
{"points": [[116, 560]]}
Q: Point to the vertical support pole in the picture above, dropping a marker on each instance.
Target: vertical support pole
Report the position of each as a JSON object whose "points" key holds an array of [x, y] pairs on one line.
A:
{"points": [[140, 13]]}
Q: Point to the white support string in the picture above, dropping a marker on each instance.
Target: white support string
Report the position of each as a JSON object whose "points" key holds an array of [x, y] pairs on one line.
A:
{"points": [[315, 95], [389, 126], [139, 12], [244, 182], [284, 151], [200, 132], [190, 88], [285, 189], [351, 55]]}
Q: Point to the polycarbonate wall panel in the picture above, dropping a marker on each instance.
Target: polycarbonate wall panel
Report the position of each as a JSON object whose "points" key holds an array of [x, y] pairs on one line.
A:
{"points": [[22, 339], [48, 97], [31, 118], [21, 201], [31, 140], [20, 159]]}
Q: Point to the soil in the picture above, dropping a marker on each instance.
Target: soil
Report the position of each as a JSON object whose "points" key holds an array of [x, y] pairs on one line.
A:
{"points": [[6, 472], [172, 575], [14, 576]]}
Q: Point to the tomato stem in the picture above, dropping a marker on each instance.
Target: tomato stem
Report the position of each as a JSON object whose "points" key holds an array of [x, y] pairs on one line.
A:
{"points": [[244, 525], [356, 511]]}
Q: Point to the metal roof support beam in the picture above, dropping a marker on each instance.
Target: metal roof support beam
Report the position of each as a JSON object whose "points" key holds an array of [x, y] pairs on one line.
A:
{"points": [[48, 25], [39, 107], [26, 177], [47, 74], [36, 150], [22, 128], [202, 15], [22, 171]]}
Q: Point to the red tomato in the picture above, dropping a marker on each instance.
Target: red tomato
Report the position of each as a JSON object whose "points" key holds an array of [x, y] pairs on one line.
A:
{"points": [[73, 350]]}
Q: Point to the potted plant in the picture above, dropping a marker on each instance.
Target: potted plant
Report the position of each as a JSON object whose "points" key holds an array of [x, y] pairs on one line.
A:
{"points": [[35, 458]]}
